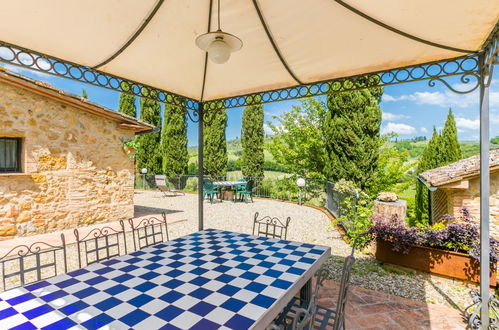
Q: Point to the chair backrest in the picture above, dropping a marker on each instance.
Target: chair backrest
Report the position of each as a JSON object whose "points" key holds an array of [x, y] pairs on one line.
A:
{"points": [[100, 244], [149, 231], [270, 227], [160, 180], [339, 322], [249, 185], [25, 264], [207, 184]]}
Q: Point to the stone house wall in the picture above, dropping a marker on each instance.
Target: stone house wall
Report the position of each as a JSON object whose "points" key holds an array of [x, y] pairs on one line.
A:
{"points": [[75, 172], [467, 193]]}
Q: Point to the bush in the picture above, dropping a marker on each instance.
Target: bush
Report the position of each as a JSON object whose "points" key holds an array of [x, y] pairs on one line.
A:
{"points": [[453, 234]]}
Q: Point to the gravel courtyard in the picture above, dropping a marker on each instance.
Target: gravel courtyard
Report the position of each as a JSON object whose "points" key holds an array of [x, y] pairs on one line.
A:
{"points": [[312, 226]]}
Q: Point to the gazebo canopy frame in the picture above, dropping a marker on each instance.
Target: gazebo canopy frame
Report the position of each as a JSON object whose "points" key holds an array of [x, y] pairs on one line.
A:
{"points": [[474, 71]]}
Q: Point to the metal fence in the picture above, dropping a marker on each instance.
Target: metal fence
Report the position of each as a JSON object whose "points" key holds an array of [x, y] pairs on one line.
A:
{"points": [[281, 188], [342, 204]]}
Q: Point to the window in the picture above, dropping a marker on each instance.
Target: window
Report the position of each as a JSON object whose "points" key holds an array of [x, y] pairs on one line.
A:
{"points": [[10, 155]]}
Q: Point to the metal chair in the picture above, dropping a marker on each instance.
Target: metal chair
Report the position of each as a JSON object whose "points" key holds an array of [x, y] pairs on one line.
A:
{"points": [[100, 244], [298, 317], [209, 190], [163, 186], [149, 231], [270, 227], [247, 191], [25, 264]]}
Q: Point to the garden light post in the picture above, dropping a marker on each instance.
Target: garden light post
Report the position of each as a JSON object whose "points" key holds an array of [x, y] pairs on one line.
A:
{"points": [[144, 172], [301, 183]]}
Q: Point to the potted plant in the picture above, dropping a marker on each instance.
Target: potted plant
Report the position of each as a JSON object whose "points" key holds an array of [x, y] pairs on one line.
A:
{"points": [[130, 147], [450, 248]]}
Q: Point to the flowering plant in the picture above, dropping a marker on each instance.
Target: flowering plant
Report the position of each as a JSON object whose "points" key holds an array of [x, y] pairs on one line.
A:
{"points": [[460, 234]]}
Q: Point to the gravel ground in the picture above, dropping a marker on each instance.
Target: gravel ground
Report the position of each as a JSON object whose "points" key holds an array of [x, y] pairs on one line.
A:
{"points": [[311, 226]]}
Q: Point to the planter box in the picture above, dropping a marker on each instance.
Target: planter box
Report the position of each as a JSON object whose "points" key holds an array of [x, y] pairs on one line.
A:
{"points": [[448, 263]]}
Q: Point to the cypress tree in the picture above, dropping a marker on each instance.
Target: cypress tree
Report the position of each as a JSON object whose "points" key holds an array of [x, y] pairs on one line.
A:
{"points": [[431, 158], [352, 136], [451, 150], [174, 141], [252, 134], [127, 102], [149, 150], [84, 94], [215, 146]]}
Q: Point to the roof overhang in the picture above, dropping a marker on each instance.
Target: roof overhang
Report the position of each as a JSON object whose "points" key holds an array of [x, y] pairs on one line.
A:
{"points": [[287, 43]]}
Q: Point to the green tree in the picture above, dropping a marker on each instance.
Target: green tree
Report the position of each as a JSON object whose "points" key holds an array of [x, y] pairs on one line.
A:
{"points": [[431, 158], [174, 141], [451, 150], [149, 150], [252, 134], [84, 94], [352, 136], [127, 101], [297, 143], [215, 146]]}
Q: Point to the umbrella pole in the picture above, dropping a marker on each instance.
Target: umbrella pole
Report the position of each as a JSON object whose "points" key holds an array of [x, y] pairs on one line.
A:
{"points": [[200, 167], [484, 193]]}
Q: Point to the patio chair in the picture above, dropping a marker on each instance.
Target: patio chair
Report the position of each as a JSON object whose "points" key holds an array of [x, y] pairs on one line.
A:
{"points": [[239, 187], [164, 188], [100, 244], [270, 227], [210, 191], [247, 191], [25, 264], [297, 317], [149, 231]]}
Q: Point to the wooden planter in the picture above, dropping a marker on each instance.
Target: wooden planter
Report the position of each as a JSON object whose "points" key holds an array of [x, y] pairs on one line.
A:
{"points": [[448, 263]]}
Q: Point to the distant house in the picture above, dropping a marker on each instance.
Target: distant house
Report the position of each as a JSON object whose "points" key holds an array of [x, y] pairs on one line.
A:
{"points": [[62, 163], [458, 185]]}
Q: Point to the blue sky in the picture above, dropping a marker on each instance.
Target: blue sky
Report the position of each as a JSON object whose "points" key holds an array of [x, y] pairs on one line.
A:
{"points": [[409, 110]]}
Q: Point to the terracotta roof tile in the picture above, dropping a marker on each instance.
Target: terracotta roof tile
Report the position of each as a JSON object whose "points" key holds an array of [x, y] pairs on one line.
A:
{"points": [[458, 170]]}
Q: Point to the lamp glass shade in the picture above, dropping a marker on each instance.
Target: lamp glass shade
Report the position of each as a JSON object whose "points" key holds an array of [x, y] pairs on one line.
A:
{"points": [[144, 170], [300, 182], [219, 51]]}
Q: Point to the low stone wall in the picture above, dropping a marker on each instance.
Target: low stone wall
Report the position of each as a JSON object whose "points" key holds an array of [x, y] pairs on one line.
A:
{"points": [[74, 169]]}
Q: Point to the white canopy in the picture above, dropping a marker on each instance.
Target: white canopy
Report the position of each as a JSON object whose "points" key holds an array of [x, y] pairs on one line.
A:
{"points": [[307, 41]]}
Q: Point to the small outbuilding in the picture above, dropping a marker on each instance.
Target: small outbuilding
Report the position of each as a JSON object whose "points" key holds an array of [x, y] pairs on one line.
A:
{"points": [[62, 161], [457, 185]]}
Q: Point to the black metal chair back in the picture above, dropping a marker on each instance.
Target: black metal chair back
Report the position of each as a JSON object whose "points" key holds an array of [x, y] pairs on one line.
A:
{"points": [[339, 322], [25, 264], [270, 227], [149, 231], [100, 244]]}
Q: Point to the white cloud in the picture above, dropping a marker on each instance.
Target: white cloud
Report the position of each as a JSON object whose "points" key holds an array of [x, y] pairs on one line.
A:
{"points": [[267, 129], [467, 124], [401, 129], [389, 116], [388, 98], [423, 130]]}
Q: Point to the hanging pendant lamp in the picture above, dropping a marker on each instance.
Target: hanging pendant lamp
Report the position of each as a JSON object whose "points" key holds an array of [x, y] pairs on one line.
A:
{"points": [[219, 44]]}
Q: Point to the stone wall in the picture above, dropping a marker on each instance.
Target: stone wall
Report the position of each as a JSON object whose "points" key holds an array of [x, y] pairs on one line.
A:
{"points": [[470, 198], [74, 170]]}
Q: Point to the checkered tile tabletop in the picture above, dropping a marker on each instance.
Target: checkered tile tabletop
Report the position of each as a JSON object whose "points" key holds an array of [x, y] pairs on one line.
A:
{"points": [[207, 280], [228, 183]]}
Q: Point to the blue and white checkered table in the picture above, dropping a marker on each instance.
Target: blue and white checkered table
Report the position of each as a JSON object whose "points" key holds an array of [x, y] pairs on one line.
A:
{"points": [[207, 280]]}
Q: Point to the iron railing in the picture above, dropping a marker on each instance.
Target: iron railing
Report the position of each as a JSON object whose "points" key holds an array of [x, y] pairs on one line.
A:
{"points": [[342, 204]]}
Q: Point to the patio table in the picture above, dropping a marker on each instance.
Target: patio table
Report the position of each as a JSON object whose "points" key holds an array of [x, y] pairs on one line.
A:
{"points": [[206, 280], [228, 184]]}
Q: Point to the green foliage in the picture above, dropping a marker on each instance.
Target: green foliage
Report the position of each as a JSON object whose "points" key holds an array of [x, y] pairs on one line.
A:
{"points": [[392, 173], [451, 150], [174, 141], [215, 146], [149, 151], [192, 169], [127, 103], [84, 94], [352, 136], [297, 143], [495, 140], [252, 135], [357, 211]]}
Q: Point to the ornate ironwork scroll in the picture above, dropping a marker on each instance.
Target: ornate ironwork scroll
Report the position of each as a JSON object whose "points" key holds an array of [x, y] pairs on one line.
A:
{"points": [[471, 313], [270, 227], [149, 231]]}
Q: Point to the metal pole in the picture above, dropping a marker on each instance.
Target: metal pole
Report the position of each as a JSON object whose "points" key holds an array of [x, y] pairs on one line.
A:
{"points": [[200, 167], [484, 195]]}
